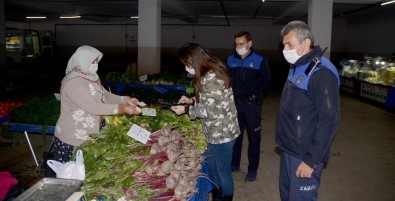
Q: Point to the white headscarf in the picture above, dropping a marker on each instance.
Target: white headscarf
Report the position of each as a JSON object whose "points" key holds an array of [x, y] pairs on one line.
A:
{"points": [[78, 65]]}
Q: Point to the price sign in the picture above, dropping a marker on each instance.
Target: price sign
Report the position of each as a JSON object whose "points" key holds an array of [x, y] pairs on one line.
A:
{"points": [[57, 96], [189, 90], [138, 133], [143, 78], [149, 112], [142, 104]]}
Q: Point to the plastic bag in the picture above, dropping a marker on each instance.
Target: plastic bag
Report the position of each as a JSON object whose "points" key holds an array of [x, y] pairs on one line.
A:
{"points": [[6, 183], [71, 169]]}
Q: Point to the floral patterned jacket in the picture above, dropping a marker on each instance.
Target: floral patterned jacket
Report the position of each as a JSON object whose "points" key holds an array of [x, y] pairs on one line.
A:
{"points": [[82, 103], [216, 110]]}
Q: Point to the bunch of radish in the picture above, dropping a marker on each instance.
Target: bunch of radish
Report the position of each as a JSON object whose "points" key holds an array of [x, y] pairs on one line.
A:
{"points": [[174, 162]]}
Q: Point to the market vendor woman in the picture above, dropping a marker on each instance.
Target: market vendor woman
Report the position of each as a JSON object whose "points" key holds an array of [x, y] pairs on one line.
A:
{"points": [[83, 102], [214, 105]]}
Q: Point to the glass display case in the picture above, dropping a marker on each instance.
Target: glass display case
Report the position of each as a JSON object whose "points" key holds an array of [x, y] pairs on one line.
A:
{"points": [[372, 79], [23, 45], [372, 70], [14, 42]]}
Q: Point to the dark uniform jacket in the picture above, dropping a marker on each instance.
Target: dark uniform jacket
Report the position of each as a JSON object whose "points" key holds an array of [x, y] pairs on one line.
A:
{"points": [[250, 76], [309, 110]]}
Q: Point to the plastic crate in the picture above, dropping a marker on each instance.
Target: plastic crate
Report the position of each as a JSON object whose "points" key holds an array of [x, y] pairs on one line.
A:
{"points": [[5, 119], [203, 186], [162, 89]]}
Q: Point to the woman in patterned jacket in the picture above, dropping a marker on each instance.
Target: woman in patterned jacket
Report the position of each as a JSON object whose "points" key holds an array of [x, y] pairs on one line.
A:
{"points": [[83, 102], [214, 105]]}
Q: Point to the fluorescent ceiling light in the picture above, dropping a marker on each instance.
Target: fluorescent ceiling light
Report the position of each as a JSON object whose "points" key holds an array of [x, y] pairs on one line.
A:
{"points": [[36, 17], [135, 17], [70, 17], [388, 2], [263, 1]]}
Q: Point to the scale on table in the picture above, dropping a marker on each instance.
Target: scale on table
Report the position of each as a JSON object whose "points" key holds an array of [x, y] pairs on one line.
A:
{"points": [[77, 196], [54, 189]]}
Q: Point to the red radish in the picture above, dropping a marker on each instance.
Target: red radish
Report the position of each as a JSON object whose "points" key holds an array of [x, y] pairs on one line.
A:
{"points": [[176, 174], [166, 130], [166, 167], [171, 182], [172, 155], [131, 193], [163, 140], [154, 149], [160, 173], [181, 191]]}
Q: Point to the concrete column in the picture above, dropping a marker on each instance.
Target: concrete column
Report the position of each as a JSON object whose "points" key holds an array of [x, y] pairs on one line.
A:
{"points": [[3, 56], [149, 37], [320, 22]]}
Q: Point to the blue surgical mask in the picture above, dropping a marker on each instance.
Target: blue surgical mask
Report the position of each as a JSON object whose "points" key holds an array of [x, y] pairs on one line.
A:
{"points": [[241, 51]]}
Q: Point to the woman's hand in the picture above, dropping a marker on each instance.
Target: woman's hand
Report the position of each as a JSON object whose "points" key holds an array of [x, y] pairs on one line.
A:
{"points": [[132, 101], [185, 100], [131, 109], [179, 109]]}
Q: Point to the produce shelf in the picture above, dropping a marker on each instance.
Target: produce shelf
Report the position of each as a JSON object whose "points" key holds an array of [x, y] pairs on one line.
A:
{"points": [[31, 128], [348, 85], [203, 186], [162, 89], [377, 93]]}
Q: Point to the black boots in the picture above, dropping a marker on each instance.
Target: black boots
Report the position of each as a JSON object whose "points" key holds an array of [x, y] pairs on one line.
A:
{"points": [[217, 195]]}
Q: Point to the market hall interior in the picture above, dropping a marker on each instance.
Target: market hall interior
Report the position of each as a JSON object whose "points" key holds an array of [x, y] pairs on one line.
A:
{"points": [[361, 165]]}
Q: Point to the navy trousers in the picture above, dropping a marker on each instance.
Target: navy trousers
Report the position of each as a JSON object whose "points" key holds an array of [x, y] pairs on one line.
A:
{"points": [[249, 117], [293, 188]]}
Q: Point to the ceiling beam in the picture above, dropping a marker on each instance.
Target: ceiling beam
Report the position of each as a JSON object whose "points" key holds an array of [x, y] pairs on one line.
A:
{"points": [[224, 11], [257, 10]]}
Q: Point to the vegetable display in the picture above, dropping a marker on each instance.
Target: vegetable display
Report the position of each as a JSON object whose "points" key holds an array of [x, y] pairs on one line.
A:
{"points": [[163, 78], [165, 168], [7, 107], [42, 111]]}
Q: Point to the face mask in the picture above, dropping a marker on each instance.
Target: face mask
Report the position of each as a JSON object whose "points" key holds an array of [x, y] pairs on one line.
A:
{"points": [[291, 56], [241, 51], [190, 70], [93, 68]]}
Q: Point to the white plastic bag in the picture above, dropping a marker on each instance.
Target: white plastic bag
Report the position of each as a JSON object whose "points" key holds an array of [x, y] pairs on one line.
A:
{"points": [[69, 170]]}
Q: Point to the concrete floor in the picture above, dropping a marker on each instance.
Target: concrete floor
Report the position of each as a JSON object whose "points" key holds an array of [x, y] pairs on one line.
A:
{"points": [[362, 163], [361, 168]]}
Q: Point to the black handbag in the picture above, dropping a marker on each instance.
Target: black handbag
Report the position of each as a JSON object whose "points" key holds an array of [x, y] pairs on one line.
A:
{"points": [[48, 155]]}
